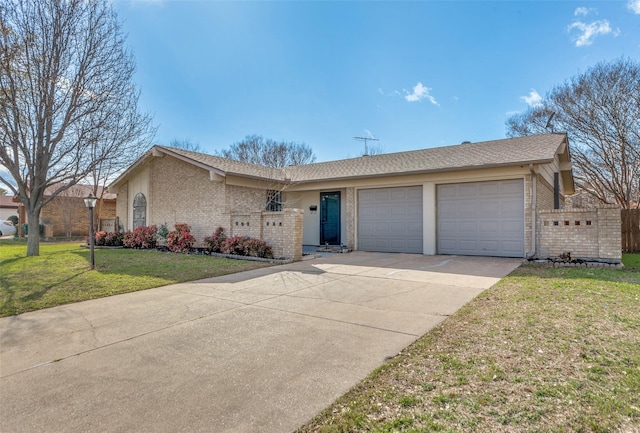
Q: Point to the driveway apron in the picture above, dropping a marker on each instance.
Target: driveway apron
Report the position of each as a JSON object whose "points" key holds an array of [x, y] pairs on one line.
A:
{"points": [[258, 351]]}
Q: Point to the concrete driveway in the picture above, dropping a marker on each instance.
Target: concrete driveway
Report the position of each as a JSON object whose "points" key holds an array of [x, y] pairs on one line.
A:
{"points": [[259, 351]]}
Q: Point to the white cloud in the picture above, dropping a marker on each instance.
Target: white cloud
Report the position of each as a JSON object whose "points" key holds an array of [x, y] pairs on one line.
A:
{"points": [[419, 93], [582, 11], [587, 32], [634, 6], [533, 99]]}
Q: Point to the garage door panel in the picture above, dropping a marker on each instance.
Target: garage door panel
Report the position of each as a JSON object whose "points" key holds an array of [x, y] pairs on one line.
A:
{"points": [[467, 226], [481, 218], [487, 227], [390, 219], [515, 187], [490, 189], [514, 247], [415, 194]]}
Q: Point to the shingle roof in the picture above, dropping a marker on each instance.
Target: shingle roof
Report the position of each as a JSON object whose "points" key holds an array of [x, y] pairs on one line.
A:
{"points": [[511, 151], [521, 150], [6, 201], [226, 165]]}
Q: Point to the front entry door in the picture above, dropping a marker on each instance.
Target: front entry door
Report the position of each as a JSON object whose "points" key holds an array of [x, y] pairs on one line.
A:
{"points": [[330, 218]]}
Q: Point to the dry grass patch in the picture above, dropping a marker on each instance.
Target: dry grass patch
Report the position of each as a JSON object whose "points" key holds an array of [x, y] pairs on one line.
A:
{"points": [[544, 350]]}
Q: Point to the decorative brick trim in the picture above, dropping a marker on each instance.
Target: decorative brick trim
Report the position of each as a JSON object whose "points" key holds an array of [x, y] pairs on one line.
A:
{"points": [[592, 234]]}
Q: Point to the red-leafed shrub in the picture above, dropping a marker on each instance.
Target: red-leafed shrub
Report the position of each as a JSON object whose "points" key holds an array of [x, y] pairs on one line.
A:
{"points": [[246, 246], [257, 248], [234, 245], [215, 242], [140, 237], [237, 245], [112, 239], [180, 240]]}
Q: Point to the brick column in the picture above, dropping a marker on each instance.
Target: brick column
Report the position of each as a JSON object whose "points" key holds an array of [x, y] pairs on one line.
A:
{"points": [[609, 233]]}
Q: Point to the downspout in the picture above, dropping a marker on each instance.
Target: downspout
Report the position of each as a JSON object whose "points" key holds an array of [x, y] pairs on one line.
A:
{"points": [[534, 204]]}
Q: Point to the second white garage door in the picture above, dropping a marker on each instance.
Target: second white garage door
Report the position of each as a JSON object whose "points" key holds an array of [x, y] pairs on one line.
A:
{"points": [[481, 218], [390, 219]]}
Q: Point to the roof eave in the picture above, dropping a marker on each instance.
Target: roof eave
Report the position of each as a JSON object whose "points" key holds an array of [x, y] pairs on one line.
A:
{"points": [[437, 170]]}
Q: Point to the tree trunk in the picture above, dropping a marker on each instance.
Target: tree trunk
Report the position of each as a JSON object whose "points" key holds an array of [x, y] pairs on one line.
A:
{"points": [[33, 236]]}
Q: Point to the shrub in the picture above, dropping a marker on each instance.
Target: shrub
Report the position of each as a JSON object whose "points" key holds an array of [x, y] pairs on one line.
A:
{"points": [[112, 239], [246, 246], [257, 248], [180, 240], [14, 220], [99, 238], [215, 242], [25, 229], [162, 232], [234, 245], [140, 237]]}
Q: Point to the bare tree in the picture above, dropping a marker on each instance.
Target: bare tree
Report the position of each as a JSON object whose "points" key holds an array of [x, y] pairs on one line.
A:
{"points": [[185, 144], [600, 110], [270, 153], [68, 105]]}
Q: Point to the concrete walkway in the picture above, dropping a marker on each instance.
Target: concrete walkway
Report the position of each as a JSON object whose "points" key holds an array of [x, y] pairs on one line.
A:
{"points": [[259, 351]]}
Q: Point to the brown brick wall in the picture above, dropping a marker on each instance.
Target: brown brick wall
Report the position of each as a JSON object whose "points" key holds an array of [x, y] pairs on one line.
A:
{"points": [[585, 233], [182, 193], [282, 231], [544, 194], [69, 217]]}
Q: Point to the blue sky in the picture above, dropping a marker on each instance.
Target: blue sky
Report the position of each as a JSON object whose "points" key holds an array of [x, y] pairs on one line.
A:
{"points": [[413, 74]]}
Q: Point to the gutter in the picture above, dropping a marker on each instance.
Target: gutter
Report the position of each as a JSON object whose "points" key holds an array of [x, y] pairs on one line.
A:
{"points": [[534, 204]]}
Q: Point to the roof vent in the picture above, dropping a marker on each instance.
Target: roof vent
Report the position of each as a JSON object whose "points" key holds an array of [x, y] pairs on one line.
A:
{"points": [[466, 142]]}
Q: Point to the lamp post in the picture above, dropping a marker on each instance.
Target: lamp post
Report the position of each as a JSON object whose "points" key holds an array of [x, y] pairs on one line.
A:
{"points": [[90, 202]]}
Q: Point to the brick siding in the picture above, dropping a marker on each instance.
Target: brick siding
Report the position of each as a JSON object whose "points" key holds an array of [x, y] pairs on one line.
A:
{"points": [[282, 230], [69, 217], [585, 233], [180, 193], [544, 194]]}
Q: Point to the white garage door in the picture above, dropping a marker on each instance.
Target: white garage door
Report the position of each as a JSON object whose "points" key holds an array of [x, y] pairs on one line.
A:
{"points": [[390, 219], [481, 218]]}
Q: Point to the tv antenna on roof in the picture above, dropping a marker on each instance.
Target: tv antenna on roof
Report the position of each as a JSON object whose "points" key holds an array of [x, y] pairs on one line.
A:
{"points": [[549, 124], [365, 139]]}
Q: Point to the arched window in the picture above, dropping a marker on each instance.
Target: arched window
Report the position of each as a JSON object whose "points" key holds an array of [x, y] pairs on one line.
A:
{"points": [[139, 210]]}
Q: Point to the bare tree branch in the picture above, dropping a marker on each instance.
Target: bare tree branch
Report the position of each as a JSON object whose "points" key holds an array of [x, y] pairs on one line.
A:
{"points": [[600, 110], [256, 149], [68, 105]]}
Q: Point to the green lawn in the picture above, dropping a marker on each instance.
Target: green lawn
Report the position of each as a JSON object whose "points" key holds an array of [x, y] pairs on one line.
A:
{"points": [[631, 261], [61, 274], [545, 350]]}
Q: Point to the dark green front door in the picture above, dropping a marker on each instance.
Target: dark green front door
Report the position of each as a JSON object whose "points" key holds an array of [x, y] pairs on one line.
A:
{"points": [[330, 218]]}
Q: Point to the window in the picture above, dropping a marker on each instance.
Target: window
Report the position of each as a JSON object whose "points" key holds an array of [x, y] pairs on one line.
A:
{"points": [[274, 200], [139, 210]]}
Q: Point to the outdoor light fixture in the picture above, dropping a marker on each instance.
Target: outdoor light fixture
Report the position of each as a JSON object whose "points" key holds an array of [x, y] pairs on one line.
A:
{"points": [[90, 202]]}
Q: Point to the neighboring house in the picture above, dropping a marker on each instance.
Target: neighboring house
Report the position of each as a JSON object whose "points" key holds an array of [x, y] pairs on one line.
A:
{"points": [[7, 207], [66, 215], [469, 199]]}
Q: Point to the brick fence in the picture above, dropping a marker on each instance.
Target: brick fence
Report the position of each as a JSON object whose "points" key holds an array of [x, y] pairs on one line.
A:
{"points": [[282, 230], [592, 234]]}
